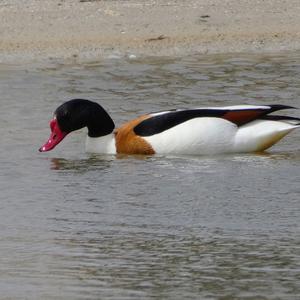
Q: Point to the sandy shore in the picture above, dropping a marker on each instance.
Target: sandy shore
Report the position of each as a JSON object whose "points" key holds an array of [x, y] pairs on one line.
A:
{"points": [[92, 29]]}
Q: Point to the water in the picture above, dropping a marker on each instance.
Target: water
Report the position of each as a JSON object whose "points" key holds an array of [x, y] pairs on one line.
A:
{"points": [[78, 226]]}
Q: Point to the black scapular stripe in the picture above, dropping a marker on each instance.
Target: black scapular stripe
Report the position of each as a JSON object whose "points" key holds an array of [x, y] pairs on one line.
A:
{"points": [[160, 123]]}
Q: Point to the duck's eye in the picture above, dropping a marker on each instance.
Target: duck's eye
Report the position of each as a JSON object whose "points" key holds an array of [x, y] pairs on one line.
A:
{"points": [[54, 136]]}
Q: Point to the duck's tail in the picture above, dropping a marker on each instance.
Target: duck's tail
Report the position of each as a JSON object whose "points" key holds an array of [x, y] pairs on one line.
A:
{"points": [[263, 133]]}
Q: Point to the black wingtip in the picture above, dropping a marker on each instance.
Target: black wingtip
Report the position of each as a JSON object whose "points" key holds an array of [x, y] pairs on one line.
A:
{"points": [[276, 107], [280, 118]]}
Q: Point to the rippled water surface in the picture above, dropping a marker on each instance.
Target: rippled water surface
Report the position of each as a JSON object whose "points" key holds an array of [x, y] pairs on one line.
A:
{"points": [[76, 226]]}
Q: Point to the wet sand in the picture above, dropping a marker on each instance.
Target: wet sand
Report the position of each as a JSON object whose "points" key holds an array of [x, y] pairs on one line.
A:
{"points": [[82, 30]]}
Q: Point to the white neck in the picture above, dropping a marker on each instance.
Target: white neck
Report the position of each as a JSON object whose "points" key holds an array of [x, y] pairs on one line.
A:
{"points": [[102, 145]]}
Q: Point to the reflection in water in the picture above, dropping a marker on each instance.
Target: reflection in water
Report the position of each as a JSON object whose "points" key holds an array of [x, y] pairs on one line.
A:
{"points": [[267, 155], [78, 226], [82, 165]]}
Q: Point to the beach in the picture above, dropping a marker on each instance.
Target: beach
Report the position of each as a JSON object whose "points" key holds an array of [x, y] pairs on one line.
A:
{"points": [[84, 30]]}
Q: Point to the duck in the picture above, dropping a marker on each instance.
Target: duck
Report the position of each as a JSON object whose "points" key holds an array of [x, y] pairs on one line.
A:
{"points": [[195, 131]]}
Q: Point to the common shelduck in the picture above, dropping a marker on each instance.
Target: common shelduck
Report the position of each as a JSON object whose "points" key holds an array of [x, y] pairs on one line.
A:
{"points": [[207, 130]]}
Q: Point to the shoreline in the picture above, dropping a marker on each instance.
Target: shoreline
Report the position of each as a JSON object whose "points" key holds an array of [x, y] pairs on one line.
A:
{"points": [[89, 30]]}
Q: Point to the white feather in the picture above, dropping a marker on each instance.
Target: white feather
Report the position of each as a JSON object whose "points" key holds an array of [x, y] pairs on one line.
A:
{"points": [[196, 136], [215, 135], [233, 107], [104, 144], [239, 107], [260, 135]]}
